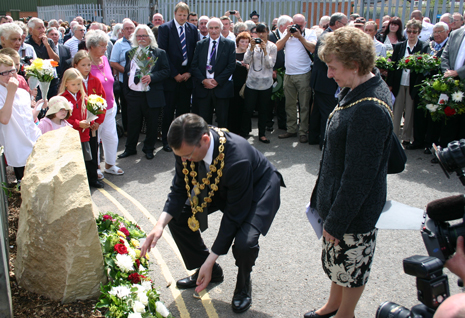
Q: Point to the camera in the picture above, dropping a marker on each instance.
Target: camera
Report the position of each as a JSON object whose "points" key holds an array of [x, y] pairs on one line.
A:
{"points": [[294, 28], [258, 40], [232, 12], [238, 63], [440, 239], [27, 60]]}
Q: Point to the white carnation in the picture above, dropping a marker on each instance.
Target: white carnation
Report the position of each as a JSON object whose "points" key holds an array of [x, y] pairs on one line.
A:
{"points": [[146, 285], [132, 253], [120, 291], [142, 297], [134, 315], [457, 97], [138, 307], [124, 262], [432, 108], [161, 309]]}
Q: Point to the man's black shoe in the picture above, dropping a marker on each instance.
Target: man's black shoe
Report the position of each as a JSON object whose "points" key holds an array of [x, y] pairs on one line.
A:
{"points": [[127, 154], [242, 299], [97, 184], [167, 148], [191, 281], [149, 155]]}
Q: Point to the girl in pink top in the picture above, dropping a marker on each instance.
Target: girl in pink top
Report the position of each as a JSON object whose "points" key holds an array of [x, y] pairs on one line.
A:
{"points": [[59, 110]]}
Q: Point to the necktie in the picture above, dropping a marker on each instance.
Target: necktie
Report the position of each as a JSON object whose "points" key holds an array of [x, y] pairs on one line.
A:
{"points": [[204, 37], [212, 57], [437, 47], [182, 37], [202, 216]]}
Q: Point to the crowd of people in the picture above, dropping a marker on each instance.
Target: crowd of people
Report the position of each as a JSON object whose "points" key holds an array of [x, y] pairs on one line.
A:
{"points": [[174, 79]]}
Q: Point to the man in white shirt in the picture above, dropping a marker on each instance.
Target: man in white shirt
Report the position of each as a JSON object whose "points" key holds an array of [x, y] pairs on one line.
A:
{"points": [[226, 29], [203, 30], [73, 43], [370, 29], [299, 42], [426, 28]]}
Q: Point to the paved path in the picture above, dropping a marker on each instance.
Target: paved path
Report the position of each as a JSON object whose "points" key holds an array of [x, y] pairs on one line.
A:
{"points": [[288, 279]]}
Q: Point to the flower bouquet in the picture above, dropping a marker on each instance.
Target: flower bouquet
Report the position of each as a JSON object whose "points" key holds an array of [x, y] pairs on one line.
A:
{"points": [[144, 61], [129, 292], [41, 73], [95, 105], [384, 63], [420, 63], [442, 96]]}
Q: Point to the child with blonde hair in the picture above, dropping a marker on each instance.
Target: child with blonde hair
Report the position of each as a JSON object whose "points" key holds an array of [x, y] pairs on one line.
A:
{"points": [[59, 110]]}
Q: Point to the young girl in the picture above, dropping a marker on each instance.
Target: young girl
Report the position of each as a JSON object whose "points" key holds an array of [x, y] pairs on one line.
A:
{"points": [[72, 89], [18, 133], [59, 110]]}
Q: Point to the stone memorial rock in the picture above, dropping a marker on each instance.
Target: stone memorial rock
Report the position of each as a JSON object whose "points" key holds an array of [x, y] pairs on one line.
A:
{"points": [[59, 254]]}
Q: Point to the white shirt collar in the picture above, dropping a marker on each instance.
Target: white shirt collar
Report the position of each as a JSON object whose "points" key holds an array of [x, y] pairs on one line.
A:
{"points": [[209, 156], [74, 95], [178, 25], [85, 80]]}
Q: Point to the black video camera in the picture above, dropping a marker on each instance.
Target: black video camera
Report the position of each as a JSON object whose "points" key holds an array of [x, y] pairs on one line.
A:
{"points": [[294, 28], [27, 60], [258, 40], [440, 239]]}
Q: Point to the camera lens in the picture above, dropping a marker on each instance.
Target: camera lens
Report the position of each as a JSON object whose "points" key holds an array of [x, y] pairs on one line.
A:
{"points": [[392, 310], [452, 157]]}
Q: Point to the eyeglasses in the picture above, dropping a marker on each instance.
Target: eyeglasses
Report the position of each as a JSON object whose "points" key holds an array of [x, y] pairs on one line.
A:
{"points": [[439, 32], [412, 31], [6, 73], [189, 157], [142, 36]]}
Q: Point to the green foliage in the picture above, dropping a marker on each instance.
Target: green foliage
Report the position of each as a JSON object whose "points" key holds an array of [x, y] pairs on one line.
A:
{"points": [[278, 93], [420, 63]]}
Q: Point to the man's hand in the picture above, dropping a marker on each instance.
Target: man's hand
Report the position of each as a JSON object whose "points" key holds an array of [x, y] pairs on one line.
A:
{"points": [[451, 73], [179, 78], [456, 264], [205, 272], [146, 79], [152, 239], [44, 39], [209, 83], [186, 76]]}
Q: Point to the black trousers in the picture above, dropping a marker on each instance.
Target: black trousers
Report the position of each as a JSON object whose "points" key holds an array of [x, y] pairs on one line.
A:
{"points": [[92, 165], [124, 106], [19, 173], [252, 98], [210, 103], [325, 104], [236, 108], [138, 108], [420, 124], [193, 249], [179, 101]]}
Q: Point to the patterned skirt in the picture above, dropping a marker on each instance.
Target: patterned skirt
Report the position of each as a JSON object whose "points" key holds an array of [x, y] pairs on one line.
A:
{"points": [[349, 263]]}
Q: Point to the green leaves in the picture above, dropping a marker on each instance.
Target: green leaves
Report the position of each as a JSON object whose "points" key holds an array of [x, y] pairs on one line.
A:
{"points": [[420, 63]]}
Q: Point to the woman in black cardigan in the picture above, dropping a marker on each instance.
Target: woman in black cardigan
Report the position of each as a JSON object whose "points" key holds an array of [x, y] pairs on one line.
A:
{"points": [[144, 93]]}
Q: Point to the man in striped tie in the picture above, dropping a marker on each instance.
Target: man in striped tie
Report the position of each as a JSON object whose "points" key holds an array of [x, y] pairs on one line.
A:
{"points": [[178, 38]]}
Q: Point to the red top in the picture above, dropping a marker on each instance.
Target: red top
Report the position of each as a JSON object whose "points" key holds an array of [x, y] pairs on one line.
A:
{"points": [[77, 115], [94, 86]]}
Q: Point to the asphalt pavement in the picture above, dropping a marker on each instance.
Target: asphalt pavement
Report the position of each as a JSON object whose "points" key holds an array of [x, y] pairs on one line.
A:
{"points": [[288, 279]]}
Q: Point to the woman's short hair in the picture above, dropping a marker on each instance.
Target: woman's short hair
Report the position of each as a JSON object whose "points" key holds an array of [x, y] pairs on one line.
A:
{"points": [[135, 43], [240, 27], [250, 24], [188, 128], [116, 29], [351, 47], [6, 60], [6, 29], [95, 37], [413, 24], [243, 35], [80, 55]]}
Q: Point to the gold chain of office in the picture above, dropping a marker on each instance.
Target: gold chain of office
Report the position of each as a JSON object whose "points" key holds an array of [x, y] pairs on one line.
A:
{"points": [[192, 222]]}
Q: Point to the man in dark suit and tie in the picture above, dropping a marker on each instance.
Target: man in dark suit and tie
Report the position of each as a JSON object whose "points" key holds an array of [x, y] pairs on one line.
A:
{"points": [[178, 38], [221, 171], [212, 67]]}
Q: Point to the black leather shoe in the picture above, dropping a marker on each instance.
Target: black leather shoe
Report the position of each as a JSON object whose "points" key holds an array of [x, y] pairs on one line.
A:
{"points": [[149, 155], [434, 160], [242, 299], [191, 281], [313, 314], [97, 184], [127, 154], [265, 141], [167, 148], [427, 151]]}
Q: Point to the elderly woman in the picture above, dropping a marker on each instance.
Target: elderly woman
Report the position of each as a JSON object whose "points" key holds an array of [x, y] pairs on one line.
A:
{"points": [[350, 191], [261, 56], [96, 43], [25, 49], [402, 82], [392, 34], [11, 36], [144, 89]]}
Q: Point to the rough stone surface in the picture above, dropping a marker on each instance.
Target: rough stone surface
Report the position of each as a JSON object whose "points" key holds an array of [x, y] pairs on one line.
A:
{"points": [[59, 254]]}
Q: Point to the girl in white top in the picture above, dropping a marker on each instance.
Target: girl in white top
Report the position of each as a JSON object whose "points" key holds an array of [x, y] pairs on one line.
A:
{"points": [[18, 133], [59, 110]]}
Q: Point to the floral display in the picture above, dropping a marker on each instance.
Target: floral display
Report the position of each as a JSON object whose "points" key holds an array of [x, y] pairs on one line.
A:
{"points": [[96, 104], [442, 96], [41, 72], [129, 292], [420, 63], [384, 63], [144, 60]]}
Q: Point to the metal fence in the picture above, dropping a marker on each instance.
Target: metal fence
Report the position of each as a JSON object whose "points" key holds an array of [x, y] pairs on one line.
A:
{"points": [[92, 12], [117, 10]]}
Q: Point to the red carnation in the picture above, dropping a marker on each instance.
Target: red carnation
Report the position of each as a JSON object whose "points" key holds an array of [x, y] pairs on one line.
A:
{"points": [[121, 241], [407, 60], [125, 231], [107, 217], [419, 58], [134, 278], [435, 57], [449, 111], [137, 263], [121, 249]]}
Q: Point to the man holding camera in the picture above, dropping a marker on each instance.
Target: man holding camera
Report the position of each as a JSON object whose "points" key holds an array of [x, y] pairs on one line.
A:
{"points": [[299, 42]]}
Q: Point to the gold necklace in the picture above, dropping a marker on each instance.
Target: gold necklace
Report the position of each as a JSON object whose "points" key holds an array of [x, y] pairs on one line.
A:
{"points": [[98, 67], [192, 222]]}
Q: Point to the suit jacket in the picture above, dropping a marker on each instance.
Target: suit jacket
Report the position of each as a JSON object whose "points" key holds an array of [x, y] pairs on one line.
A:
{"points": [[274, 37], [319, 80], [168, 40], [451, 51], [242, 190], [394, 77], [225, 64], [65, 59], [159, 73]]}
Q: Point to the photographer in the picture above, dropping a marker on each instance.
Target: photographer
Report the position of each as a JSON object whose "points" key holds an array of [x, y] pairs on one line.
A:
{"points": [[454, 306]]}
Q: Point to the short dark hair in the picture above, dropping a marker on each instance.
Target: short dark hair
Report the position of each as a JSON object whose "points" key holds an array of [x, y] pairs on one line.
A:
{"points": [[192, 14], [188, 128], [337, 16], [262, 27]]}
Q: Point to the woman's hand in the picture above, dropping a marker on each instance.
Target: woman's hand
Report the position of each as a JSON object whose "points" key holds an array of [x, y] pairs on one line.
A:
{"points": [[252, 45], [329, 238], [146, 79], [94, 126], [84, 124]]}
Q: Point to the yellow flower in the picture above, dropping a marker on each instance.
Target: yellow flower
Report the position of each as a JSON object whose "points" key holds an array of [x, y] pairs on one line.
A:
{"points": [[147, 256], [135, 243], [38, 63], [121, 234], [137, 253]]}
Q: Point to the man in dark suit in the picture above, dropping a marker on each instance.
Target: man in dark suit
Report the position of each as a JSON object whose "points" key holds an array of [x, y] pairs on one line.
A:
{"points": [[240, 182], [63, 52], [324, 88], [178, 38], [212, 68]]}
